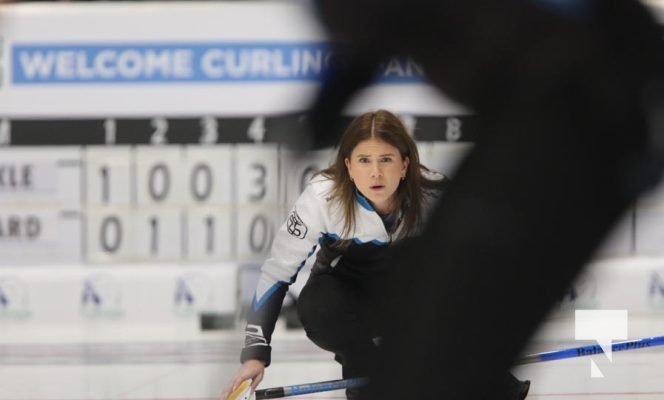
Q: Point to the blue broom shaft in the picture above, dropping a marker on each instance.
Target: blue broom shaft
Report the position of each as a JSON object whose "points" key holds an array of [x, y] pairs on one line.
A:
{"points": [[592, 349], [295, 390]]}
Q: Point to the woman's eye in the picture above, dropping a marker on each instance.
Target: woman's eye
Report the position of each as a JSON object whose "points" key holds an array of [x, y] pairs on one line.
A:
{"points": [[364, 160], [386, 159]]}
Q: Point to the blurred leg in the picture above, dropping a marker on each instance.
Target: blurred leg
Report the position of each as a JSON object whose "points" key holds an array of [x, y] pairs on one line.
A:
{"points": [[332, 314]]}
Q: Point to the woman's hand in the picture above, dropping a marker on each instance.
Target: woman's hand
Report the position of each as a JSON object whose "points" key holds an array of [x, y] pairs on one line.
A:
{"points": [[251, 369]]}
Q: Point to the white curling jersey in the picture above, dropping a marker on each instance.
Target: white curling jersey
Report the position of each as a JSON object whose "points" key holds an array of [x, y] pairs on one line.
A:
{"points": [[314, 221]]}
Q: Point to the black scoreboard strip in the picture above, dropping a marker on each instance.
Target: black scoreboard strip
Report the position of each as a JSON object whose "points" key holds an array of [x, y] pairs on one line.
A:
{"points": [[203, 130]]}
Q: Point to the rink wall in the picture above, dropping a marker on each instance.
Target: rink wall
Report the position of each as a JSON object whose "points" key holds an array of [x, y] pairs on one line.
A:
{"points": [[165, 296], [630, 283], [176, 297]]}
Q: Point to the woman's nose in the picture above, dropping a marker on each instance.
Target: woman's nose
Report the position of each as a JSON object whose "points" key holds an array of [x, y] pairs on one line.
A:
{"points": [[376, 170]]}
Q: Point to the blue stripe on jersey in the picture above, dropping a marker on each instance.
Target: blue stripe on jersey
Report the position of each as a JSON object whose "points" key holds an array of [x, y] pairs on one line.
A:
{"points": [[257, 304], [363, 200], [312, 251], [358, 241]]}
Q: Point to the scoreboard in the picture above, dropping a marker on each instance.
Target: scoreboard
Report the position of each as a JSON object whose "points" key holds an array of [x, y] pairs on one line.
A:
{"points": [[164, 189], [123, 140]]}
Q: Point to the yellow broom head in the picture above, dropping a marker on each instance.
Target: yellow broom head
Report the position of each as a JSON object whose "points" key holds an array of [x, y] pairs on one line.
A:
{"points": [[242, 392]]}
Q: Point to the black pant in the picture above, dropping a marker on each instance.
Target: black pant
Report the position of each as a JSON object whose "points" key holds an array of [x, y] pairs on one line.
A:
{"points": [[342, 316], [338, 316]]}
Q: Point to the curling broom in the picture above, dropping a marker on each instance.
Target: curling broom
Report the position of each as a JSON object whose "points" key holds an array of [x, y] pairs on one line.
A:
{"points": [[316, 387]]}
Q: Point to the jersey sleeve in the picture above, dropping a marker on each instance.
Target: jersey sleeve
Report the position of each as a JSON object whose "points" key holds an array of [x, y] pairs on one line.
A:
{"points": [[295, 241]]}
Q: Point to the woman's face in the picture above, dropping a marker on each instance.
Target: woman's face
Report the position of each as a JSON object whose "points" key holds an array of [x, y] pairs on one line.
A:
{"points": [[377, 167]]}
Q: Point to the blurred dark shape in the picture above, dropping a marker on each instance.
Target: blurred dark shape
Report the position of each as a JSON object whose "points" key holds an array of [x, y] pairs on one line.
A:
{"points": [[568, 96]]}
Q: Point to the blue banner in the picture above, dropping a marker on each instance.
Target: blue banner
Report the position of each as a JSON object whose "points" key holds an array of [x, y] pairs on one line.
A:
{"points": [[75, 63]]}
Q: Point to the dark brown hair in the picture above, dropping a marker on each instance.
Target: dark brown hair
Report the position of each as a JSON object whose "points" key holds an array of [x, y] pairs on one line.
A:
{"points": [[410, 195]]}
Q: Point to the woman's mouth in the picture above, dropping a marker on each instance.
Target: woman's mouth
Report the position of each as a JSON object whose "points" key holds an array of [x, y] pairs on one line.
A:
{"points": [[376, 187]]}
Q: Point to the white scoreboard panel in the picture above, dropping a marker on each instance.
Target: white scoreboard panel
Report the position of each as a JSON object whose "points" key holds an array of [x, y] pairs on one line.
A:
{"points": [[40, 204], [207, 190]]}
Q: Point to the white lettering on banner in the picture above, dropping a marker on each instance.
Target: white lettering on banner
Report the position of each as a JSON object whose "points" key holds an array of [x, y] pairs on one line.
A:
{"points": [[402, 68], [37, 64], [129, 64], [183, 63], [195, 62], [314, 61], [210, 63], [103, 64], [65, 63], [262, 63], [106, 64], [84, 70]]}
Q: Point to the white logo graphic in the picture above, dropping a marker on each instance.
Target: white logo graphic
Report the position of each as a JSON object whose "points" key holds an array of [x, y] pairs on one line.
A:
{"points": [[602, 326]]}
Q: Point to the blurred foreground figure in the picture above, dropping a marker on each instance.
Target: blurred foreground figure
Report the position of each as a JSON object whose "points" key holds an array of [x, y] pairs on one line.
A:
{"points": [[568, 94]]}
